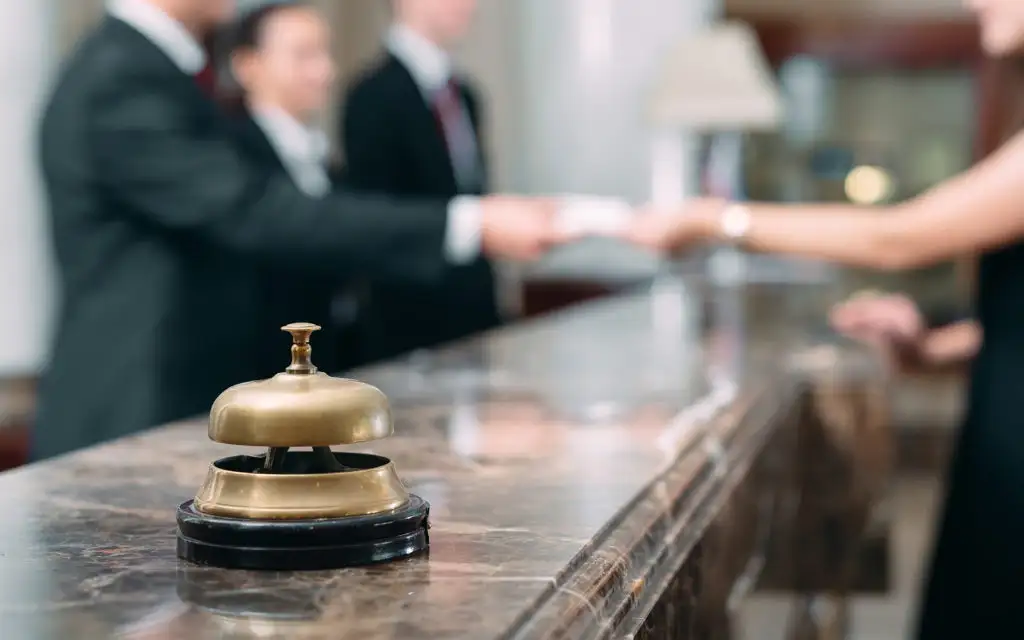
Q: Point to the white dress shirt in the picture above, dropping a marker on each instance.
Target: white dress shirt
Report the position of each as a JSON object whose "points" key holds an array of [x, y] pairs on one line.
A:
{"points": [[430, 65], [462, 237], [302, 150]]}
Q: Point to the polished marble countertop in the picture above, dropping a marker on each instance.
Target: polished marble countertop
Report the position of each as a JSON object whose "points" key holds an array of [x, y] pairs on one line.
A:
{"points": [[550, 452], [613, 262]]}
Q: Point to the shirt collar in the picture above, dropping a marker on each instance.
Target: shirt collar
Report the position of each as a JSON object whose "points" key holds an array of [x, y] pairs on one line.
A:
{"points": [[429, 64], [291, 139], [169, 35]]}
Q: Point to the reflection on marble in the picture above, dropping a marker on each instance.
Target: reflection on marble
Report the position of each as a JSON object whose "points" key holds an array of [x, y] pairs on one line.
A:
{"points": [[557, 508]]}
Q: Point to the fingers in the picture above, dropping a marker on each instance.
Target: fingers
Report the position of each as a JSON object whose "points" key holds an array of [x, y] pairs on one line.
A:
{"points": [[844, 321], [544, 223], [651, 228], [676, 227], [523, 229], [884, 320], [558, 235]]}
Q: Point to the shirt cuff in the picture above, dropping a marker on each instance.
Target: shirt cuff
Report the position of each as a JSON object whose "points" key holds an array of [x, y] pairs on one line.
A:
{"points": [[463, 235]]}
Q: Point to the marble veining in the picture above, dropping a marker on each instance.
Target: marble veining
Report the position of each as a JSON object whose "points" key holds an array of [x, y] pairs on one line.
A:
{"points": [[557, 508]]}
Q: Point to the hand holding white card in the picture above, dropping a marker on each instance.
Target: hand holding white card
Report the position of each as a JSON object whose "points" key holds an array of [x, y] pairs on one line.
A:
{"points": [[589, 216]]}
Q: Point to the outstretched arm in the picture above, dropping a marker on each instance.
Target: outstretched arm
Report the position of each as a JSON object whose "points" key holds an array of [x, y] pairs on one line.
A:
{"points": [[976, 211], [158, 170]]}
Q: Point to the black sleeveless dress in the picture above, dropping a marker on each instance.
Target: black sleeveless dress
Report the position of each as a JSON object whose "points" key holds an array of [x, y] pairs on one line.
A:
{"points": [[976, 586]]}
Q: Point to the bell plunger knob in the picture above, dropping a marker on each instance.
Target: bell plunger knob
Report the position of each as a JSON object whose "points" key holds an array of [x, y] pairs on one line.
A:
{"points": [[302, 363], [300, 407]]}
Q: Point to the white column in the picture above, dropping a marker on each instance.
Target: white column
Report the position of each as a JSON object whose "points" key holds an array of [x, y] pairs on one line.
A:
{"points": [[588, 66], [28, 51]]}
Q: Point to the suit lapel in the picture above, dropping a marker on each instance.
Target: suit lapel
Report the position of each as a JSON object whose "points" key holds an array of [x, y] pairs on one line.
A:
{"points": [[472, 110], [150, 55], [254, 142], [425, 132]]}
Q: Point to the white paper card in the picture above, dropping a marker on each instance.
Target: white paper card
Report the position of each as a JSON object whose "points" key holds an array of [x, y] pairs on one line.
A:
{"points": [[587, 215]]}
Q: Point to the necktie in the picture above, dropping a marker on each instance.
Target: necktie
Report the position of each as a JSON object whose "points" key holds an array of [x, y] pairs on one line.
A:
{"points": [[207, 79], [458, 133]]}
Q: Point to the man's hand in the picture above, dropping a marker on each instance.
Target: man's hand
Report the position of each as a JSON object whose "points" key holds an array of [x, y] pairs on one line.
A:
{"points": [[668, 229], [519, 228]]}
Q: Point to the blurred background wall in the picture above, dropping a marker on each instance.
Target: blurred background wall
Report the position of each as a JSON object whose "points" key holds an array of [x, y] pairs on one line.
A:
{"points": [[510, 50], [564, 113], [899, 87]]}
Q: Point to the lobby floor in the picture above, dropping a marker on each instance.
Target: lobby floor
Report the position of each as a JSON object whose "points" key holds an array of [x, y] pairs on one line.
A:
{"points": [[888, 617]]}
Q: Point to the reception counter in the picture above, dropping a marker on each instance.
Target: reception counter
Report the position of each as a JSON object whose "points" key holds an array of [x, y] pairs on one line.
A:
{"points": [[586, 481]]}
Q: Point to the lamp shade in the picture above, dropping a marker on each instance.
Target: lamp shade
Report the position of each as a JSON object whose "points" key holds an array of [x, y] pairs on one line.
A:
{"points": [[717, 80]]}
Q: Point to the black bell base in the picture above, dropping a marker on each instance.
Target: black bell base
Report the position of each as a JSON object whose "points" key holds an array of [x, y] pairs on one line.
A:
{"points": [[297, 545]]}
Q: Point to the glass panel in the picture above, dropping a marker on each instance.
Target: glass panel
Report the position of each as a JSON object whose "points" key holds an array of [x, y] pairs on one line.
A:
{"points": [[868, 136]]}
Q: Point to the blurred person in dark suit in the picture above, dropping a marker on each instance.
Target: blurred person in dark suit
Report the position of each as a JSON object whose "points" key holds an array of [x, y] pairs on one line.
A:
{"points": [[159, 222], [411, 127]]}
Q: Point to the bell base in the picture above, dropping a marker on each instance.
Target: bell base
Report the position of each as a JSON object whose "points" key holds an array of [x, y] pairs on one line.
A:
{"points": [[300, 545]]}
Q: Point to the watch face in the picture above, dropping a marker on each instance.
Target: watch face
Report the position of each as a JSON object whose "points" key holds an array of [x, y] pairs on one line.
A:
{"points": [[735, 222]]}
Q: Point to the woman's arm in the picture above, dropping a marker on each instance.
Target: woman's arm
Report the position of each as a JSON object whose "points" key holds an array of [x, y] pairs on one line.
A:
{"points": [[978, 210]]}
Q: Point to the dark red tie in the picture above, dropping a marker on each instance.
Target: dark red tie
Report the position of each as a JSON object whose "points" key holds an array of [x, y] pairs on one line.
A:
{"points": [[447, 108], [457, 132], [207, 79]]}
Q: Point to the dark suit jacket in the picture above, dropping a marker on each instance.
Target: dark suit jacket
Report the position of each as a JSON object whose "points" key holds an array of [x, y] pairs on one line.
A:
{"points": [[161, 227], [393, 144], [289, 293]]}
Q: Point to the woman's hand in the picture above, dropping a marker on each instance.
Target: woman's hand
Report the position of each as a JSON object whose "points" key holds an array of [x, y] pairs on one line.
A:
{"points": [[669, 229], [879, 319], [892, 324]]}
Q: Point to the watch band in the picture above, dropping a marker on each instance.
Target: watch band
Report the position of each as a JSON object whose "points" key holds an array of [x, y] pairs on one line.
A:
{"points": [[735, 222]]}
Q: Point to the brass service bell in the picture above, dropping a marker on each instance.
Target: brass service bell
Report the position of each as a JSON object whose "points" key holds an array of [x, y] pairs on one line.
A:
{"points": [[315, 499]]}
